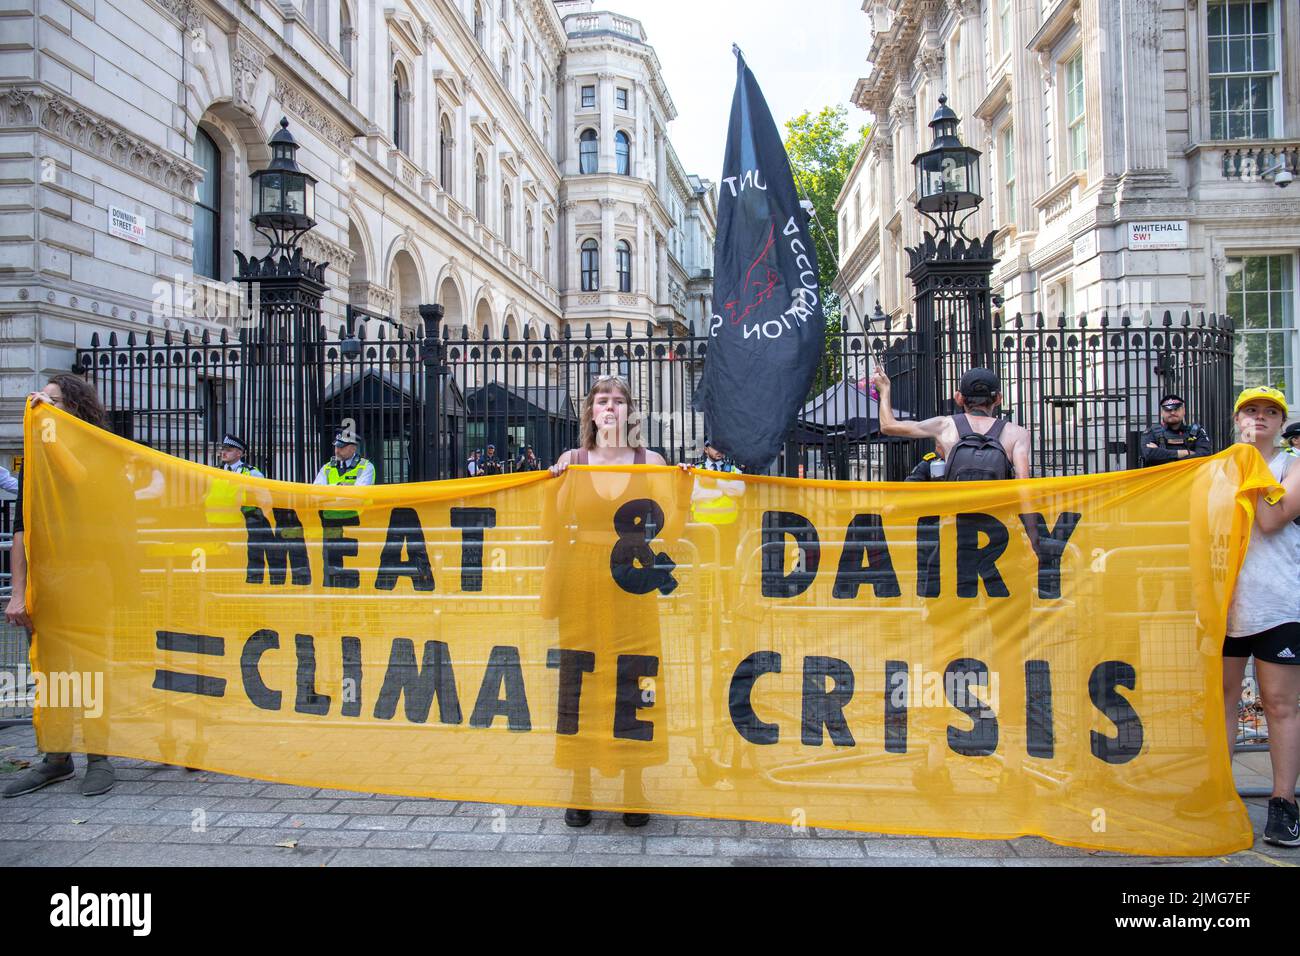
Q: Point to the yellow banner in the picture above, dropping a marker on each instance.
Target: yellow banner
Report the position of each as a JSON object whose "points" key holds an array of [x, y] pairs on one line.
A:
{"points": [[974, 660]]}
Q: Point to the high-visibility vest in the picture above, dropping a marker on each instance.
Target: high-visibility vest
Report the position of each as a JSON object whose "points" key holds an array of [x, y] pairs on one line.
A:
{"points": [[720, 510], [335, 477], [225, 498]]}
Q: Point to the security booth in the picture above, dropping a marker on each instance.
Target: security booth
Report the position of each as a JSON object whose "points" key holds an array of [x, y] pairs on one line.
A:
{"points": [[387, 411], [513, 417]]}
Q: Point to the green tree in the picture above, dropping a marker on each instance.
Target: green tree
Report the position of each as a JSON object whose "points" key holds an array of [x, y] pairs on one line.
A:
{"points": [[822, 150]]}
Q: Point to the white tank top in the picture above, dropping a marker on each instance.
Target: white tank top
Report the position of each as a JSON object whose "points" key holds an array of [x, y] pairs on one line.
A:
{"points": [[1268, 588]]}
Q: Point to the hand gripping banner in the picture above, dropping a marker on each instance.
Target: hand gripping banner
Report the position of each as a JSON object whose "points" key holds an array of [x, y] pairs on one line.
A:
{"points": [[974, 660]]}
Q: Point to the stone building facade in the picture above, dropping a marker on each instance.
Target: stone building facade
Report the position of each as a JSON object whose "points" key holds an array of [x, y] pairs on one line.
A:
{"points": [[1130, 162], [466, 152]]}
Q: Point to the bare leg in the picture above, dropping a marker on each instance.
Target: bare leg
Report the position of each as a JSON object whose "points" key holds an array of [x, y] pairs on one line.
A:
{"points": [[581, 787], [633, 791], [1234, 671], [1279, 688]]}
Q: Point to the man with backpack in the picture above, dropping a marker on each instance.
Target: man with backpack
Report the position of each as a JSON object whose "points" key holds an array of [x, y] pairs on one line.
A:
{"points": [[975, 444]]}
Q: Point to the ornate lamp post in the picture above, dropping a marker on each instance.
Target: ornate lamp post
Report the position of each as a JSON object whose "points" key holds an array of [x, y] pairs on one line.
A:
{"points": [[947, 175], [950, 271], [289, 292]]}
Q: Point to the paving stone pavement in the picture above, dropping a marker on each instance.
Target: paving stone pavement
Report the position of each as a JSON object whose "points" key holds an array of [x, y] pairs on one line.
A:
{"points": [[166, 816]]}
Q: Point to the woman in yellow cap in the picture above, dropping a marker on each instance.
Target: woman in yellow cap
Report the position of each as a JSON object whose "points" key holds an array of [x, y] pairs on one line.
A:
{"points": [[1264, 616]]}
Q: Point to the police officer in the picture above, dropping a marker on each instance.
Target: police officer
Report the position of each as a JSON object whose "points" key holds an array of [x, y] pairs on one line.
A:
{"points": [[232, 453], [1173, 439], [347, 467], [929, 468], [1291, 439], [225, 500], [714, 502], [491, 464]]}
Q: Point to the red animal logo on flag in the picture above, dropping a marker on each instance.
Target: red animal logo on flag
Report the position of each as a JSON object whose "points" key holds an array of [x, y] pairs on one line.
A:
{"points": [[760, 283]]}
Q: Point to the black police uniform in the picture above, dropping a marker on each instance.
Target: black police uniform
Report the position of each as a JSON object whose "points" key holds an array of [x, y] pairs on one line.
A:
{"points": [[922, 470], [1168, 442]]}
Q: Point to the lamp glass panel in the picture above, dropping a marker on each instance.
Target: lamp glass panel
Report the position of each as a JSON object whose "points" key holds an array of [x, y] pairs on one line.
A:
{"points": [[295, 200], [272, 199]]}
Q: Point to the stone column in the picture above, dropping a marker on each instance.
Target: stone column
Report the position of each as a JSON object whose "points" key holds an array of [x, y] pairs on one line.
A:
{"points": [[661, 250], [638, 261], [605, 99], [608, 280], [1098, 68], [1027, 90], [564, 128], [903, 114], [661, 164], [567, 254], [465, 144], [884, 150], [427, 149], [1143, 117]]}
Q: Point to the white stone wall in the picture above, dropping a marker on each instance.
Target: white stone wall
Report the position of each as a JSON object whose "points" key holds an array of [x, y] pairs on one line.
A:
{"points": [[1150, 156], [100, 104]]}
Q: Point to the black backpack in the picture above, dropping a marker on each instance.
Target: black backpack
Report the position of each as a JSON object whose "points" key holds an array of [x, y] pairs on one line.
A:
{"points": [[978, 457]]}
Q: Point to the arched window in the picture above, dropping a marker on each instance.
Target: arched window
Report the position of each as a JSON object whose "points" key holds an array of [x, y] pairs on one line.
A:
{"points": [[590, 266], [445, 144], [528, 239], [318, 16], [480, 32], [401, 110], [207, 208], [624, 266], [546, 256], [623, 153], [480, 189], [528, 103], [505, 69], [588, 151], [346, 34], [507, 217]]}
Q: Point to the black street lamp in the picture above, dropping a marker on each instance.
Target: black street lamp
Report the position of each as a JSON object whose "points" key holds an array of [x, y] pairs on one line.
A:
{"points": [[284, 210], [947, 175], [951, 272], [286, 290], [284, 196]]}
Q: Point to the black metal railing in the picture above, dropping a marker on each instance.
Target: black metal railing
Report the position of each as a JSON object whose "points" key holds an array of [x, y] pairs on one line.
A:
{"points": [[423, 401]]}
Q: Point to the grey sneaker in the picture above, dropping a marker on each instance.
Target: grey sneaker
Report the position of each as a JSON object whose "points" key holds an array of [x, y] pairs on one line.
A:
{"points": [[41, 775], [99, 777]]}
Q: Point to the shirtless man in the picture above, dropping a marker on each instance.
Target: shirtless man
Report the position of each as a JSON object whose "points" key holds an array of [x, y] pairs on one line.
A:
{"points": [[978, 395]]}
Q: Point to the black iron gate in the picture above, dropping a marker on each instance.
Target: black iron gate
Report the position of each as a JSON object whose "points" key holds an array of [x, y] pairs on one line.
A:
{"points": [[424, 401]]}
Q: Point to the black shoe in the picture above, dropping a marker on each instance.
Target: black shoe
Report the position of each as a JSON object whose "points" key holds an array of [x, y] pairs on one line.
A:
{"points": [[1283, 828], [635, 819], [577, 818]]}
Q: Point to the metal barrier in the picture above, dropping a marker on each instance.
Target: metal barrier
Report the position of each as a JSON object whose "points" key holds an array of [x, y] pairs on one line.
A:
{"points": [[16, 691]]}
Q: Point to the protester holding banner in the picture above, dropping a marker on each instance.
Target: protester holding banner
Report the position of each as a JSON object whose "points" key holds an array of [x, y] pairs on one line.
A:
{"points": [[975, 444], [586, 528], [74, 395], [1264, 616]]}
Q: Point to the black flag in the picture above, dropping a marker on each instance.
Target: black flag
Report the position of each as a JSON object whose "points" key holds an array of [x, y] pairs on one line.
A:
{"points": [[767, 329]]}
